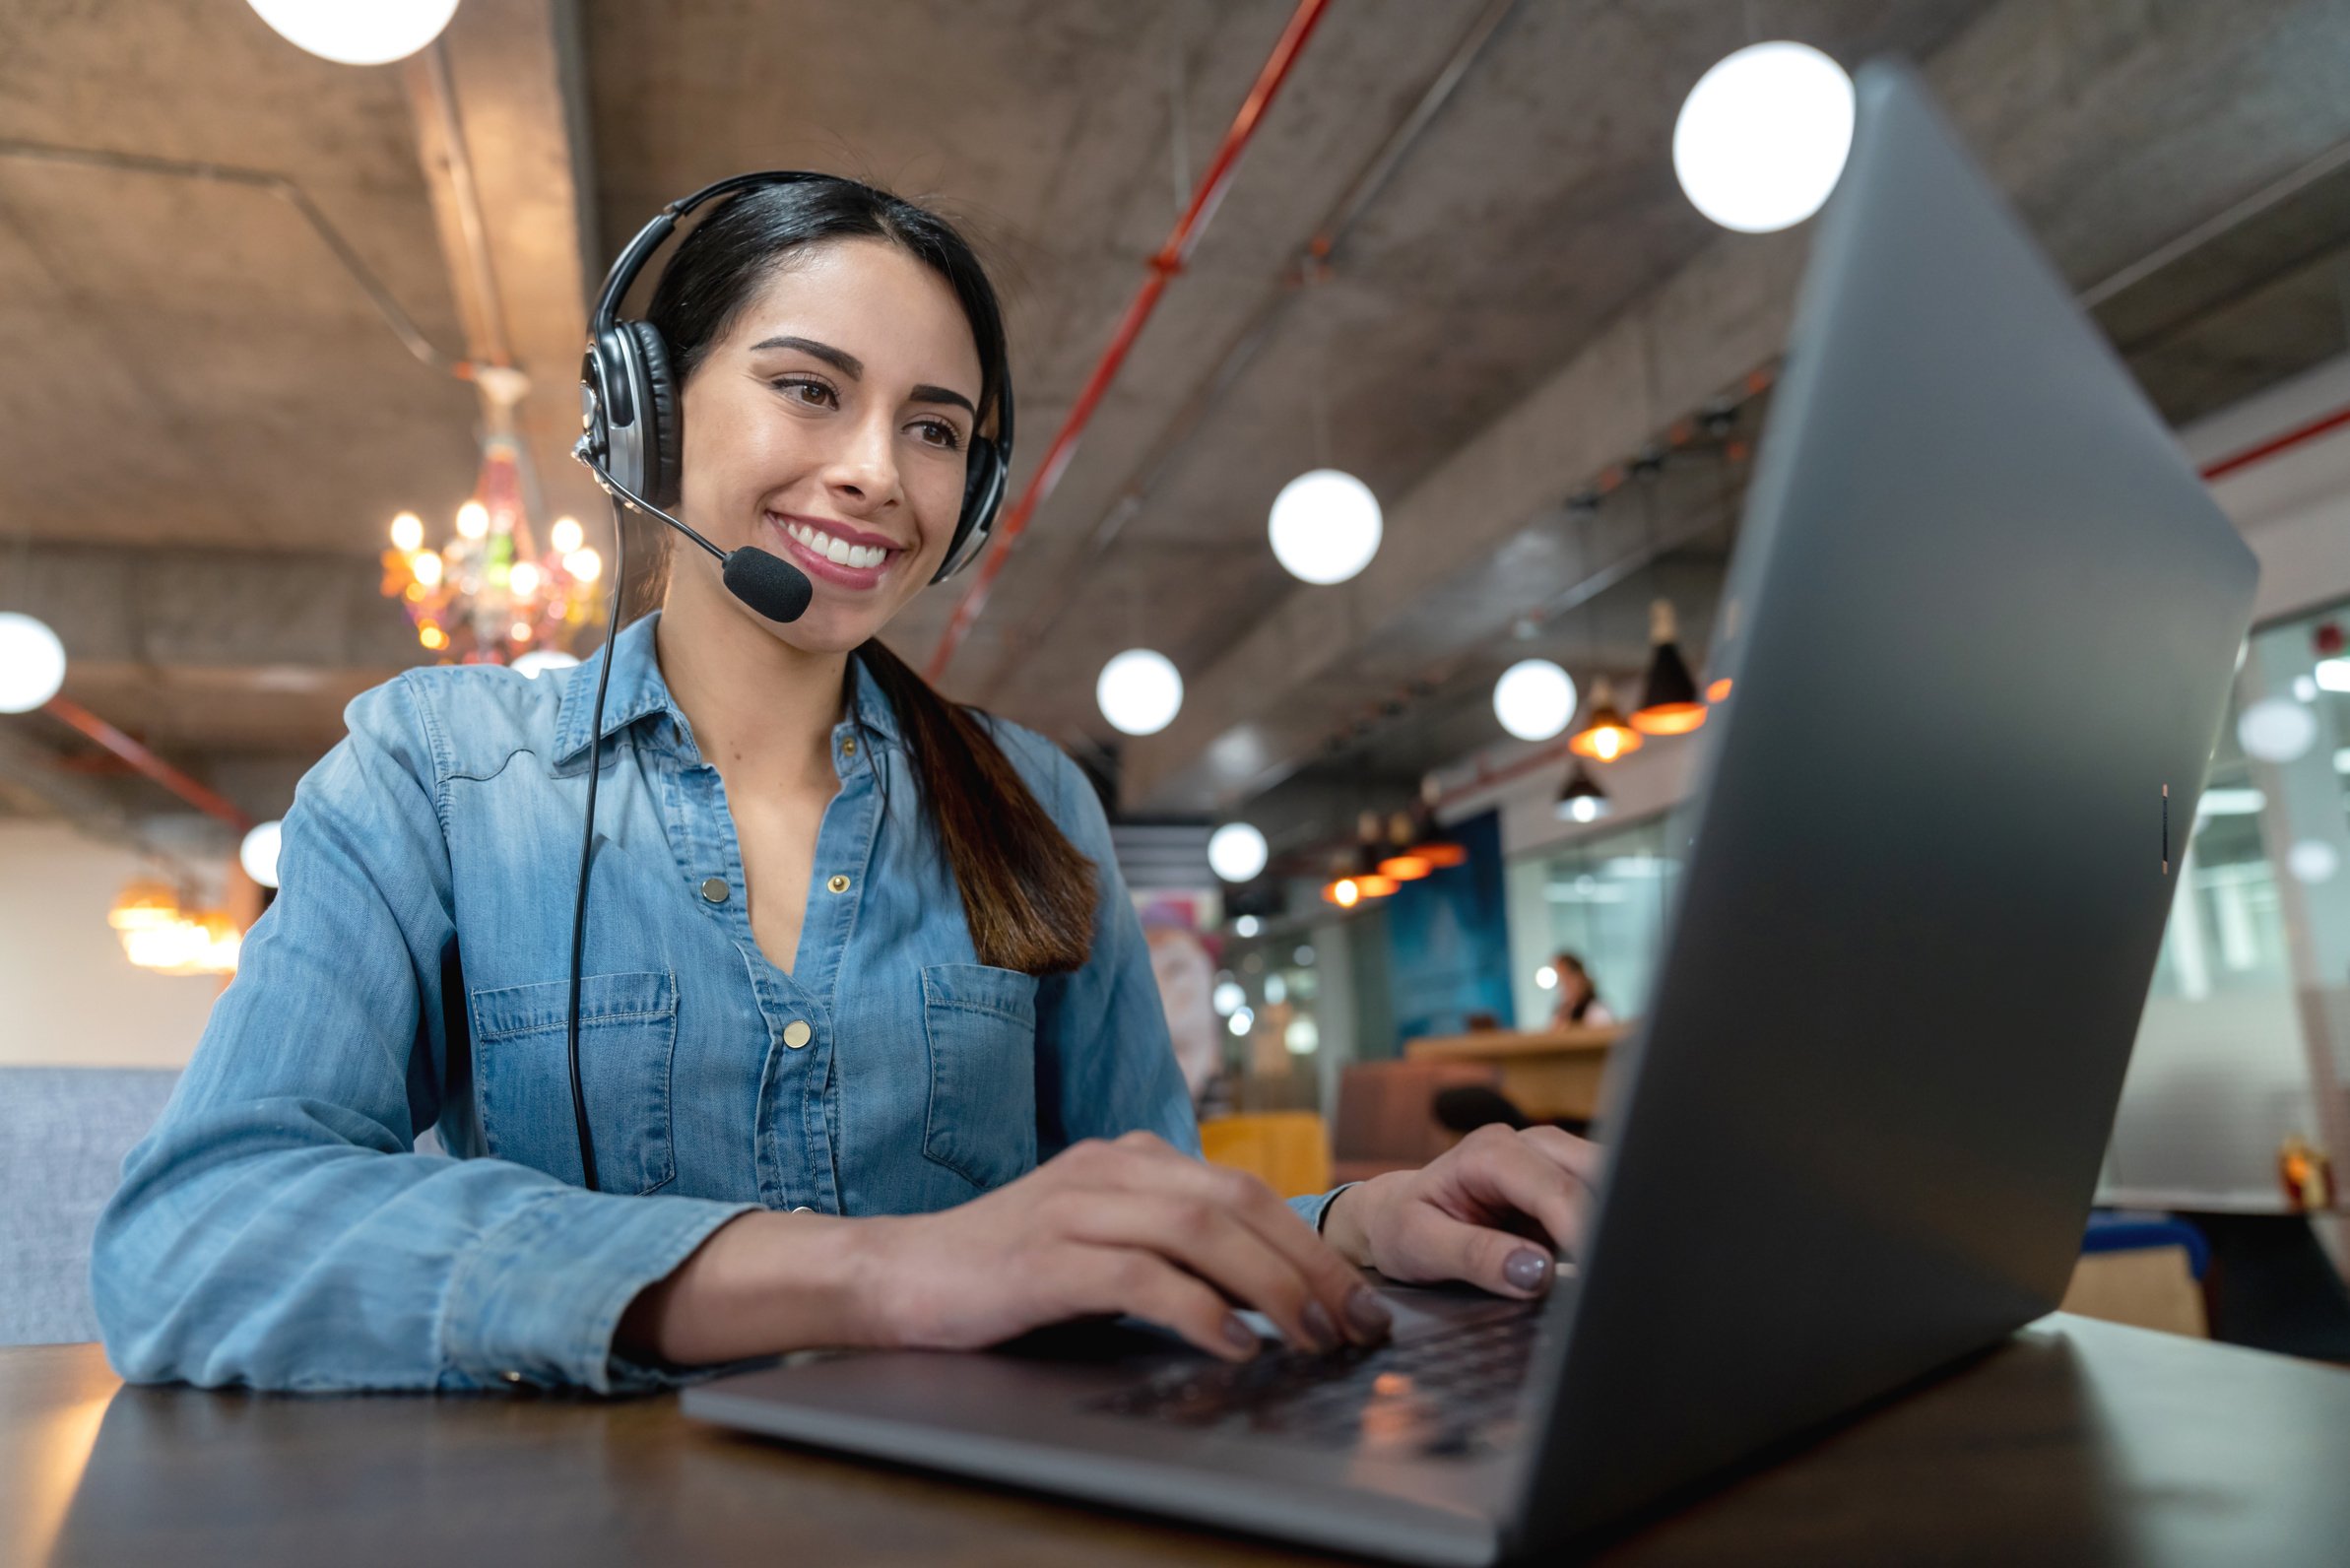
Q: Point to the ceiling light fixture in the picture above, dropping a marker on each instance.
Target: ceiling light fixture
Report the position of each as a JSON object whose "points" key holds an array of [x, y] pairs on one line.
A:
{"points": [[1534, 699], [1236, 852], [258, 854], [1582, 800], [357, 31], [1140, 691], [490, 594], [1604, 735], [1669, 704], [1762, 138], [32, 663], [1324, 526]]}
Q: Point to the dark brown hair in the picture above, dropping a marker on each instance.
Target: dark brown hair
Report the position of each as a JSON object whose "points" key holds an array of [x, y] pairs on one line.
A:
{"points": [[1029, 895]]}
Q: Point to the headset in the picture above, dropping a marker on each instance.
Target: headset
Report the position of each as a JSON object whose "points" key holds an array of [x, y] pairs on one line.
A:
{"points": [[632, 439]]}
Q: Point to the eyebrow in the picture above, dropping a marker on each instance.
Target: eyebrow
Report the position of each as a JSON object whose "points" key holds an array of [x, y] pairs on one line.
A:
{"points": [[850, 365]]}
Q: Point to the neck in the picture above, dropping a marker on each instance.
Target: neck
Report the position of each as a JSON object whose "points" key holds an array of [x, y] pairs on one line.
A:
{"points": [[750, 697]]}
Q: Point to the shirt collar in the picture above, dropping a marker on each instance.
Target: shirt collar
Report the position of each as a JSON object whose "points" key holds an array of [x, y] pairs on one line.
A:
{"points": [[637, 692]]}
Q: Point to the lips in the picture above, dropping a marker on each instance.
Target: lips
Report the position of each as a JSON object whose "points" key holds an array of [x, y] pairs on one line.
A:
{"points": [[849, 557]]}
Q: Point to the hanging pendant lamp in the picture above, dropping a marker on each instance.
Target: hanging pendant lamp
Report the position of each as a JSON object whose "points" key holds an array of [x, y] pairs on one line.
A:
{"points": [[1671, 704], [1582, 800], [1605, 736]]}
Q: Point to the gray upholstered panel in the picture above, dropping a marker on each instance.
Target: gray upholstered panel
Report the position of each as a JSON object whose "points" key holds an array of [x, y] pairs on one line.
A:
{"points": [[63, 1133]]}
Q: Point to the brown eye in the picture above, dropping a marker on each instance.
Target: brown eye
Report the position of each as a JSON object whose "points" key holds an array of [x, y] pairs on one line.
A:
{"points": [[806, 389], [941, 434]]}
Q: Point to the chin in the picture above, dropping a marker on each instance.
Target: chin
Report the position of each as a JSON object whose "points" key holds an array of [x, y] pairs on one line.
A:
{"points": [[827, 628]]}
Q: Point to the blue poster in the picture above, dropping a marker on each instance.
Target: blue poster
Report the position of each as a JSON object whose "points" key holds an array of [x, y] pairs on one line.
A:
{"points": [[1449, 941]]}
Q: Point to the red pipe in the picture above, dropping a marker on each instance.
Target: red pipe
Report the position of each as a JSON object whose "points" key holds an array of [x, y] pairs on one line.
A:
{"points": [[147, 762], [1163, 266], [2267, 449]]}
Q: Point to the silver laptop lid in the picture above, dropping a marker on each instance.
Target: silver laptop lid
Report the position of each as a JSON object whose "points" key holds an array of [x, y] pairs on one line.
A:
{"points": [[1981, 619]]}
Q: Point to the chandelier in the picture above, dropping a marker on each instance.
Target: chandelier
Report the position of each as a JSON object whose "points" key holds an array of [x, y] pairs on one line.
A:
{"points": [[158, 934], [493, 593]]}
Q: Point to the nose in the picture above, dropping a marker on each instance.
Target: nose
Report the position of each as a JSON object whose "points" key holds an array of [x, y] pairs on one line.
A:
{"points": [[862, 471]]}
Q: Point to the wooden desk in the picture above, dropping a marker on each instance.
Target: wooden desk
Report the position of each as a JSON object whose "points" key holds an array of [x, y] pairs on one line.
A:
{"points": [[1546, 1073], [2080, 1442]]}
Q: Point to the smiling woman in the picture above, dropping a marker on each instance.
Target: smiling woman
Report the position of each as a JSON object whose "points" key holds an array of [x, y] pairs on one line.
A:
{"points": [[868, 1034]]}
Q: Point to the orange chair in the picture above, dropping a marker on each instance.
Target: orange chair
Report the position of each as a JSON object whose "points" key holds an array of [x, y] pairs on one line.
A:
{"points": [[1288, 1150]]}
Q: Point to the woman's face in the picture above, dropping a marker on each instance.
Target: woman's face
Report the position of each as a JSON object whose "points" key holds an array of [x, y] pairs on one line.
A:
{"points": [[829, 427]]}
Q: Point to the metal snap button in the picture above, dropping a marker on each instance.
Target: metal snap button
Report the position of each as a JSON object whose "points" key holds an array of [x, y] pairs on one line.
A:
{"points": [[802, 1208], [511, 1377], [838, 883], [848, 746], [797, 1034], [714, 890]]}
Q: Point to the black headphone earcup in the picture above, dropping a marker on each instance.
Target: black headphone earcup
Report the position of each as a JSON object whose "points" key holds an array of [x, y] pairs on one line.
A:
{"points": [[664, 435], [983, 498]]}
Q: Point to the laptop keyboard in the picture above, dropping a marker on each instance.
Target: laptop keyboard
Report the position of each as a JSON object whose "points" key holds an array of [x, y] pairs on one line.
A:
{"points": [[1453, 1393]]}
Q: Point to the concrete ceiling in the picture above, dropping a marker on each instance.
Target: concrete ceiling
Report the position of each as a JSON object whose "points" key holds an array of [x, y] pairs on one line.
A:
{"points": [[209, 423]]}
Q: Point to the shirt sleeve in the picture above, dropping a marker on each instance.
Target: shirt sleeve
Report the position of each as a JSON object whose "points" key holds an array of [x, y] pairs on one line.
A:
{"points": [[278, 1228]]}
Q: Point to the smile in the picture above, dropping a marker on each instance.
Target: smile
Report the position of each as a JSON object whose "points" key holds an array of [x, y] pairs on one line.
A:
{"points": [[834, 549]]}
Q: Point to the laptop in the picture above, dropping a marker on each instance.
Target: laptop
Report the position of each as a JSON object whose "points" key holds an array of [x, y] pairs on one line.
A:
{"points": [[1981, 625]]}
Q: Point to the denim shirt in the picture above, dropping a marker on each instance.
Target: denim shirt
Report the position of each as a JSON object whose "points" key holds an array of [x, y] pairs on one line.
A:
{"points": [[279, 1227]]}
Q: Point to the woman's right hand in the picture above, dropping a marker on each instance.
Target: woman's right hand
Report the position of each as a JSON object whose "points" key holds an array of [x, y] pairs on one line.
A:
{"points": [[1129, 1226]]}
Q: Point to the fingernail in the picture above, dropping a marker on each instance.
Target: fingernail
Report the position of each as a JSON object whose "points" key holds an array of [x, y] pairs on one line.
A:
{"points": [[1239, 1335], [1319, 1327], [1526, 1270], [1368, 1314]]}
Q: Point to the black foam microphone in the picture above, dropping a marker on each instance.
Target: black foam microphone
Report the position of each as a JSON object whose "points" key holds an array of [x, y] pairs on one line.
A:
{"points": [[768, 584], [764, 581]]}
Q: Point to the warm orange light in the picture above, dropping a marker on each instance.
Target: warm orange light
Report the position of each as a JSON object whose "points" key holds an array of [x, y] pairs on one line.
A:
{"points": [[432, 637], [1374, 886], [1604, 743], [144, 906], [1717, 690], [427, 566], [1441, 854], [408, 531], [415, 593], [565, 536], [1669, 718], [1344, 893], [520, 632], [1407, 867]]}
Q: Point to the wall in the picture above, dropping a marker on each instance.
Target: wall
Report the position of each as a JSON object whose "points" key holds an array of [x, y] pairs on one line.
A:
{"points": [[69, 997]]}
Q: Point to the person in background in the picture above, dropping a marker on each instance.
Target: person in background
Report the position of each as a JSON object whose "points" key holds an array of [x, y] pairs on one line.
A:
{"points": [[1579, 1005]]}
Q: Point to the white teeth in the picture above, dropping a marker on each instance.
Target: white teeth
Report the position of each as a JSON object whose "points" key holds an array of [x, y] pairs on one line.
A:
{"points": [[835, 550]]}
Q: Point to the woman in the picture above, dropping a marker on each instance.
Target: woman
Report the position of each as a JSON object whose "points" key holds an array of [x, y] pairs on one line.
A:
{"points": [[867, 1035], [1578, 1003]]}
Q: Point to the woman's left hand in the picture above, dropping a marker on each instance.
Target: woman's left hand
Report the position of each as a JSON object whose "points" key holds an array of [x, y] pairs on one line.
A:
{"points": [[1479, 1212]]}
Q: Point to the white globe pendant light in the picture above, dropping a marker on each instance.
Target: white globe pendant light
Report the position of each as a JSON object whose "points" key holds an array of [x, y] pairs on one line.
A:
{"points": [[539, 661], [1534, 699], [357, 31], [1236, 852], [1763, 136], [2276, 730], [1140, 691], [258, 854], [32, 663], [1324, 526]]}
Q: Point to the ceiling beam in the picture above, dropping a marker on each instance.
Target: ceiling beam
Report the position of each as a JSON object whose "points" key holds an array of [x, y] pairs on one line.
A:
{"points": [[502, 132], [2063, 100]]}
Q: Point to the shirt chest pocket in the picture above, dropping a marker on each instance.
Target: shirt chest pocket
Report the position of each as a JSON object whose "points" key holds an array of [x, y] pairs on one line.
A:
{"points": [[979, 1024], [628, 1036]]}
